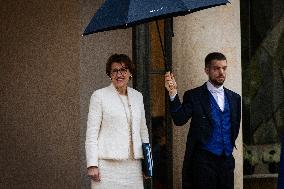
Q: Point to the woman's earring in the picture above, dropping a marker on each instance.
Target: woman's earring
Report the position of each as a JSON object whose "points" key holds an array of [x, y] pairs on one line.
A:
{"points": [[130, 77]]}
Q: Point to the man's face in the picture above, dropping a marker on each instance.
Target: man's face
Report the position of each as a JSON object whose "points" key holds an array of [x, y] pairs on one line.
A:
{"points": [[216, 72]]}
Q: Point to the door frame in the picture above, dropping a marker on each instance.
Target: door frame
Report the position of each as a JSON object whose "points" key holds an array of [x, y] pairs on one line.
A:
{"points": [[141, 52]]}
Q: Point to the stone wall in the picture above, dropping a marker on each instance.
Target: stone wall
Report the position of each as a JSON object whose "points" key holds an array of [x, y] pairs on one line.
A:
{"points": [[39, 104]]}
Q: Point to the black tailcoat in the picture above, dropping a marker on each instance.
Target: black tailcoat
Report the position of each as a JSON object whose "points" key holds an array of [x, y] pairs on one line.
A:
{"points": [[196, 106]]}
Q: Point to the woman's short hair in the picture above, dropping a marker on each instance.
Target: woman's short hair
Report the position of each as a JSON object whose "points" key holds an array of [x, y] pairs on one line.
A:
{"points": [[213, 56], [119, 58]]}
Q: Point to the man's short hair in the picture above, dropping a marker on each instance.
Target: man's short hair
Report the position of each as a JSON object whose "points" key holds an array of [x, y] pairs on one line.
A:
{"points": [[213, 56]]}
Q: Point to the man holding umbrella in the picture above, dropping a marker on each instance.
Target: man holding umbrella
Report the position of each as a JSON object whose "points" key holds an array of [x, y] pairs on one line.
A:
{"points": [[215, 113]]}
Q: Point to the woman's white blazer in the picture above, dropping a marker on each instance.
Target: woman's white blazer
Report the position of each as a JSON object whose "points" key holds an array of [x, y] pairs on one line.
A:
{"points": [[107, 135]]}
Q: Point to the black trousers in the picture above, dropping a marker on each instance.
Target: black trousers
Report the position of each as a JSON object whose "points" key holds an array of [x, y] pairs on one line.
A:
{"points": [[211, 171]]}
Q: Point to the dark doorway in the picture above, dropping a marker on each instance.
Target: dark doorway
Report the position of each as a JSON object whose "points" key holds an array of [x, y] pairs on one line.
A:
{"points": [[149, 79], [262, 90]]}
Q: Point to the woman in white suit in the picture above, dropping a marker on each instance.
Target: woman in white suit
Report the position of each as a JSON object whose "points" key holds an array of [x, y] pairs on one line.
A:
{"points": [[116, 129]]}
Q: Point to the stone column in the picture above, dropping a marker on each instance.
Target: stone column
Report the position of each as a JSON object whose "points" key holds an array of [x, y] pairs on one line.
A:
{"points": [[196, 35]]}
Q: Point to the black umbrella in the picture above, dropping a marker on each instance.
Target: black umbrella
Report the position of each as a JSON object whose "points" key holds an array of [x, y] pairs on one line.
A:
{"points": [[115, 14], [124, 13]]}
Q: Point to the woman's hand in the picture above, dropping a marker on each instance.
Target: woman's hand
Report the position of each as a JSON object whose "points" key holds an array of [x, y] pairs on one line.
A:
{"points": [[94, 173]]}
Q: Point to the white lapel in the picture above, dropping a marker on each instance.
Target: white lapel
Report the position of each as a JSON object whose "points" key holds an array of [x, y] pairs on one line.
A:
{"points": [[132, 100]]}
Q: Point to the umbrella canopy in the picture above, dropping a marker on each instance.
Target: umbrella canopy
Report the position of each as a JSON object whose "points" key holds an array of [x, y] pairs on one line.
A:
{"points": [[124, 13]]}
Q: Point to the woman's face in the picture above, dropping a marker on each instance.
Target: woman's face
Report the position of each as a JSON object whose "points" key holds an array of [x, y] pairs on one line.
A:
{"points": [[119, 75]]}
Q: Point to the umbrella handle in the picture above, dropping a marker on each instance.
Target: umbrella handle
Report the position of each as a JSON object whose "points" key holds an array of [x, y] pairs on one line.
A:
{"points": [[163, 49]]}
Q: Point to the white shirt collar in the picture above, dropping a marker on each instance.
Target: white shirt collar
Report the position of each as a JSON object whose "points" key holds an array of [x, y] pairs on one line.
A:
{"points": [[217, 93], [212, 88]]}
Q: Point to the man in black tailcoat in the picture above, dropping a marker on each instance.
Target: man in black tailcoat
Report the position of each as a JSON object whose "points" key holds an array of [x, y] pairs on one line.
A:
{"points": [[215, 113]]}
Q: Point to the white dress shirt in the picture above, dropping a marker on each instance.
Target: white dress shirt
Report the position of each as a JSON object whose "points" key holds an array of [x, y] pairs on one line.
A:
{"points": [[217, 93]]}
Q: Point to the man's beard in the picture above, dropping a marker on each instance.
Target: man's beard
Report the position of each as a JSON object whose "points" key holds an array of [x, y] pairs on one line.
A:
{"points": [[215, 82]]}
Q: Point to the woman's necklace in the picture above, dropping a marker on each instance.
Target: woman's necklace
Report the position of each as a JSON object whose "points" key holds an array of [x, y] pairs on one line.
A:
{"points": [[131, 153], [125, 110]]}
